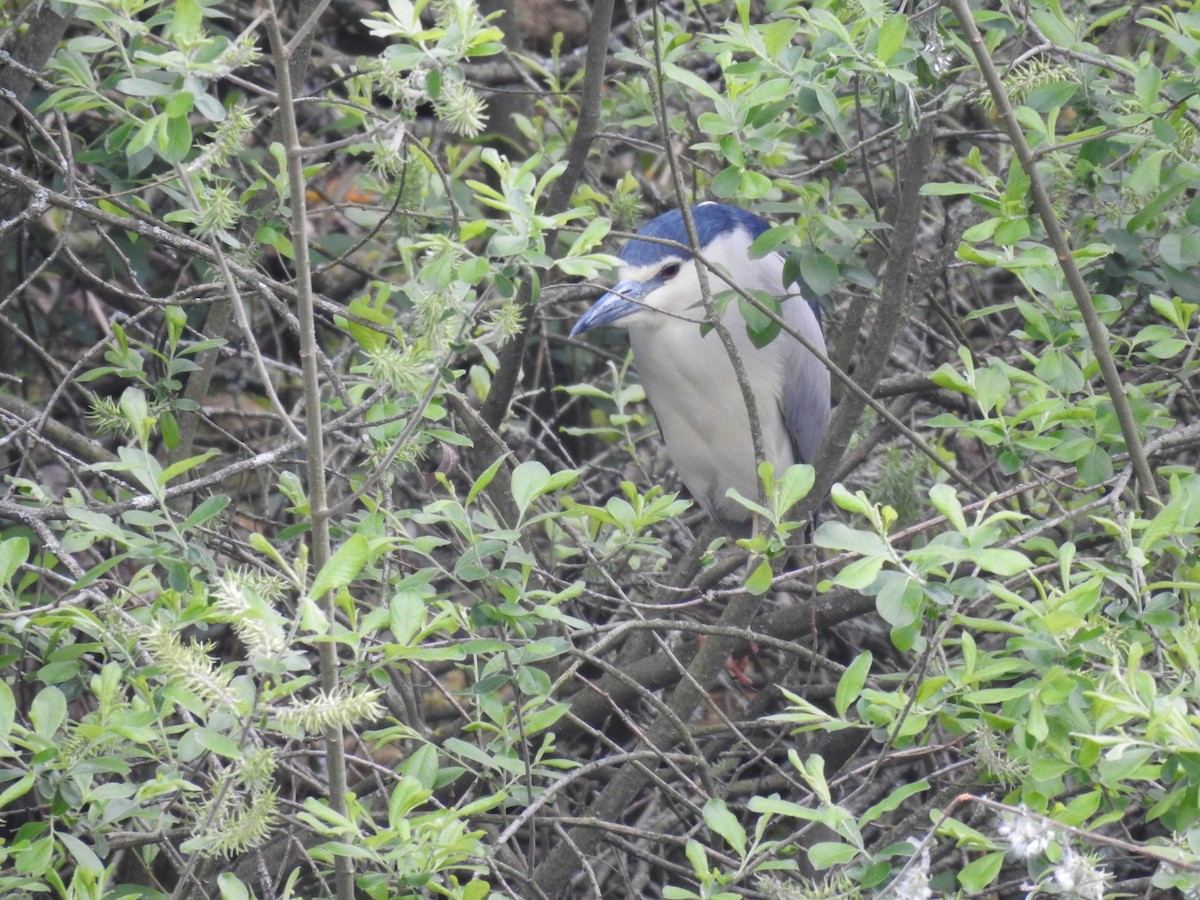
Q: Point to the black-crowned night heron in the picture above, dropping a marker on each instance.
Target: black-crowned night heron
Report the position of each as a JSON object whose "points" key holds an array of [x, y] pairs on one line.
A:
{"points": [[686, 371]]}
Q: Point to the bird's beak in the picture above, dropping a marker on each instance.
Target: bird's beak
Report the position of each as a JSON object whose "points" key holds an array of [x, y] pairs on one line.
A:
{"points": [[618, 303]]}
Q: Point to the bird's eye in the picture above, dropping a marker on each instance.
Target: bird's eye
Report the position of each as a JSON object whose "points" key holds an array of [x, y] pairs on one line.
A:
{"points": [[669, 271]]}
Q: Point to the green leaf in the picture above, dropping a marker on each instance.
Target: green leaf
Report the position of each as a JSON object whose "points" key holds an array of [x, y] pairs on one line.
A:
{"points": [[981, 232], [539, 721], [260, 544], [854, 503], [964, 835], [819, 271], [1047, 97], [178, 142], [312, 617], [812, 770], [217, 742], [777, 35], [851, 683], [17, 789], [433, 84], [945, 501], [826, 854], [892, 801], [757, 508], [752, 185], [860, 574], [8, 711], [727, 183], [1054, 26], [992, 388], [205, 511], [696, 856], [1123, 763], [210, 107], [89, 44], [14, 552], [761, 328], [1012, 231], [1166, 523], [1096, 467], [484, 479], [759, 581], [231, 887], [406, 616], [85, 857], [899, 599], [341, 568], [948, 377], [593, 234], [180, 104], [1180, 249], [142, 87], [952, 189], [1000, 561], [453, 438], [48, 711], [891, 37], [970, 652], [1079, 810], [1174, 310], [721, 821], [692, 81], [840, 536], [37, 857], [321, 814], [1062, 372], [529, 480], [777, 806], [979, 873], [187, 21], [422, 766], [987, 696], [793, 486], [169, 428], [136, 411]]}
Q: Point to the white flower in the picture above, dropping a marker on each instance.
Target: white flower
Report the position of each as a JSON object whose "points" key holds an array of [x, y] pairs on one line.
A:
{"points": [[1026, 835], [913, 884], [936, 54], [1079, 876]]}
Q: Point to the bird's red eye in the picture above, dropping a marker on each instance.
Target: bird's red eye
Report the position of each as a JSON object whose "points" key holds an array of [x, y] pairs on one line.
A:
{"points": [[669, 271]]}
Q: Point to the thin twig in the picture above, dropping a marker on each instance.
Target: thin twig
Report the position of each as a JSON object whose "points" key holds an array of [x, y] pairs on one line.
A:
{"points": [[315, 442], [1097, 332]]}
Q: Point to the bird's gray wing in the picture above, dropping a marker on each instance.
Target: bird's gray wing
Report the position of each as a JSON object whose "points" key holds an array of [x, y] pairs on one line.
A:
{"points": [[806, 385]]}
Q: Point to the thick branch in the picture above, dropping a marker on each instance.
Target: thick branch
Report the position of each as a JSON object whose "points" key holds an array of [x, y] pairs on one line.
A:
{"points": [[894, 305], [512, 353]]}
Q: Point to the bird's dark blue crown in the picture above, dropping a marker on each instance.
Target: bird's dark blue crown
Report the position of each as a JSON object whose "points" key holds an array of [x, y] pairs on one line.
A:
{"points": [[712, 220]]}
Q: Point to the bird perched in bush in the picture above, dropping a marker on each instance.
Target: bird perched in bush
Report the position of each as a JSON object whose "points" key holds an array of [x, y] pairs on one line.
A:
{"points": [[685, 368]]}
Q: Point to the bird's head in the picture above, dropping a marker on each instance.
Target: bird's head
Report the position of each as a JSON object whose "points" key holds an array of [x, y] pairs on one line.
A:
{"points": [[657, 278]]}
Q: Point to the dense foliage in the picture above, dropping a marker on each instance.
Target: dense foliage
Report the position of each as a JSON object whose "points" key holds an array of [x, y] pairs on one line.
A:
{"points": [[329, 563]]}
